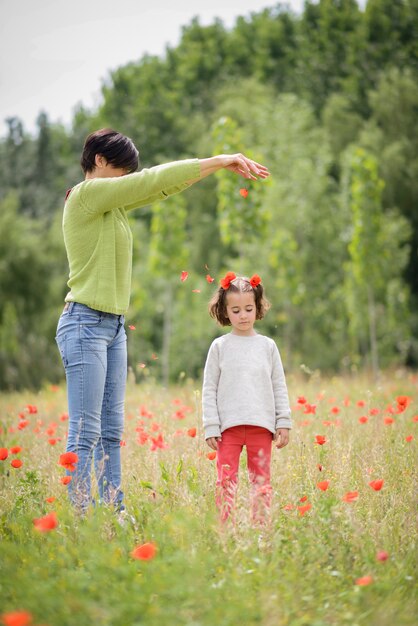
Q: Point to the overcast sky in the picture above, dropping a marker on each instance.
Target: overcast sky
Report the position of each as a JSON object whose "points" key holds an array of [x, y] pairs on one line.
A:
{"points": [[55, 54]]}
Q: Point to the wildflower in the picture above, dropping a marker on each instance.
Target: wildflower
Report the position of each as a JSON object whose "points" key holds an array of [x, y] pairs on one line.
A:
{"points": [[409, 438], [319, 466], [382, 556], [68, 460], [302, 400], [209, 278], [388, 420], [22, 424], [288, 507], [46, 523], [158, 442], [211, 455], [16, 463], [184, 276], [304, 509], [4, 453], [320, 440], [16, 618], [310, 408], [361, 403], [66, 480], [335, 410], [144, 552], [323, 485], [31, 409], [122, 443], [243, 192], [15, 450], [363, 419], [364, 581], [227, 279], [64, 417], [376, 484], [192, 432], [403, 402], [350, 496], [52, 441], [374, 412], [303, 499], [50, 499]]}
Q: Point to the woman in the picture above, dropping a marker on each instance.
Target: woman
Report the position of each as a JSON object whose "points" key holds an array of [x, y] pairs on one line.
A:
{"points": [[91, 335]]}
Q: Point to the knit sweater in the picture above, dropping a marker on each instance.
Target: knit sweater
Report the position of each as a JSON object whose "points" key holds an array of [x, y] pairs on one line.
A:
{"points": [[244, 383], [97, 235]]}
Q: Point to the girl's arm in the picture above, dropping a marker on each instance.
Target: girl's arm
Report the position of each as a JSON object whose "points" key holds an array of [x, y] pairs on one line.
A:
{"points": [[211, 375], [281, 397]]}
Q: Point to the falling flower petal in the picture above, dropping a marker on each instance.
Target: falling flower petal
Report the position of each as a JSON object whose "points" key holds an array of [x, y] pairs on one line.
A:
{"points": [[132, 327], [209, 278], [184, 276], [243, 192], [16, 618], [196, 290]]}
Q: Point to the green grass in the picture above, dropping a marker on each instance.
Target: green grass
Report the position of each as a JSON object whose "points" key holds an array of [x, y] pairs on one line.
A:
{"points": [[297, 571]]}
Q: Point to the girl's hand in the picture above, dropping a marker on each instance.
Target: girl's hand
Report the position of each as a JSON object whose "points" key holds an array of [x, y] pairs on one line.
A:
{"points": [[213, 442], [245, 167], [282, 437]]}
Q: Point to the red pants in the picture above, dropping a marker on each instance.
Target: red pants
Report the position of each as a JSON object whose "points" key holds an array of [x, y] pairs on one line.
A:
{"points": [[258, 443]]}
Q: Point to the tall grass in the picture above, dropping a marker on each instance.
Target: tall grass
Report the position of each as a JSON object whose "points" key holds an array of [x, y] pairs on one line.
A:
{"points": [[298, 570]]}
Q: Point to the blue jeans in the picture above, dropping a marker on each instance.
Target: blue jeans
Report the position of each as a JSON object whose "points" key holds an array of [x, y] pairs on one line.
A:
{"points": [[93, 349]]}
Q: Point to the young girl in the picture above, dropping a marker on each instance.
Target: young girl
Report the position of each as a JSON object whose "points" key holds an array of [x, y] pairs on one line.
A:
{"points": [[245, 400]]}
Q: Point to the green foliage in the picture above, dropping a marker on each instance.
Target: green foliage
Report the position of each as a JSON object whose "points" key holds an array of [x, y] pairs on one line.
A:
{"points": [[295, 92]]}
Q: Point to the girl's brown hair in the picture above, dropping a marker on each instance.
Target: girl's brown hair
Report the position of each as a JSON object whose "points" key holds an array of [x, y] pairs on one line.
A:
{"points": [[240, 284]]}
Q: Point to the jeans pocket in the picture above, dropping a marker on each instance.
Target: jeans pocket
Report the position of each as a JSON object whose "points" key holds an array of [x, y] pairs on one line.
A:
{"points": [[62, 344]]}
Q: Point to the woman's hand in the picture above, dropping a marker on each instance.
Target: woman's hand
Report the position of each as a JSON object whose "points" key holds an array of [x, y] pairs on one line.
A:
{"points": [[213, 442], [236, 163], [245, 167]]}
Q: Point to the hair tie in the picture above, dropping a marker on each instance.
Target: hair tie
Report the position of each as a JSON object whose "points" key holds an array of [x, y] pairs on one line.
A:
{"points": [[255, 280], [227, 280]]}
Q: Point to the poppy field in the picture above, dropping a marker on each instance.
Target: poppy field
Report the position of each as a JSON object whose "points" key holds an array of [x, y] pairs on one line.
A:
{"points": [[339, 547]]}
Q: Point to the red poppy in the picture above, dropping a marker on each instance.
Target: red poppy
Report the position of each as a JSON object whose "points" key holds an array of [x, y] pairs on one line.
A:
{"points": [[374, 412], [227, 280], [46, 523], [255, 280], [52, 442], [323, 485], [31, 409], [303, 499], [361, 403], [184, 276], [50, 500], [310, 408], [144, 552], [335, 410], [211, 456], [16, 463], [68, 460], [209, 278], [66, 480], [142, 438], [350, 496], [403, 402], [320, 467], [22, 424], [15, 450], [409, 438], [288, 507], [192, 432], [122, 443], [382, 556], [364, 581], [415, 418], [4, 453], [305, 508], [377, 484], [64, 417], [363, 419], [243, 192], [302, 400], [320, 440], [16, 618], [388, 421], [158, 442]]}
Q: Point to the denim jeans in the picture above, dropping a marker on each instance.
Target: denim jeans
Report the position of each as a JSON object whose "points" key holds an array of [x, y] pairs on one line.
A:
{"points": [[93, 349]]}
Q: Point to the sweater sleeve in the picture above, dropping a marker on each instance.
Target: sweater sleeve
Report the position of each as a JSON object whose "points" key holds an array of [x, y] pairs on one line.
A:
{"points": [[211, 420], [281, 398], [100, 195]]}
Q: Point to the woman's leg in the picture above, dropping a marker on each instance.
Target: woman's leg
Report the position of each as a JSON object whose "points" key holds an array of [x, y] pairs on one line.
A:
{"points": [[107, 454], [258, 442], [229, 451]]}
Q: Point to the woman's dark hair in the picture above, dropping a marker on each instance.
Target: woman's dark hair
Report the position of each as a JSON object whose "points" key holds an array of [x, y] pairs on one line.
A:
{"points": [[118, 150], [217, 304]]}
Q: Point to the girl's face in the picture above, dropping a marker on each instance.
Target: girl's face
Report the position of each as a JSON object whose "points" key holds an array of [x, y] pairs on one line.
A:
{"points": [[241, 312]]}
